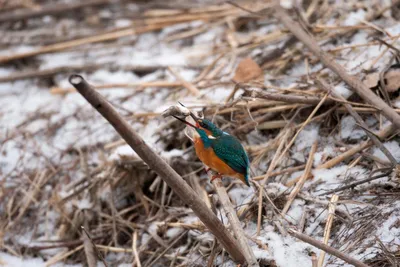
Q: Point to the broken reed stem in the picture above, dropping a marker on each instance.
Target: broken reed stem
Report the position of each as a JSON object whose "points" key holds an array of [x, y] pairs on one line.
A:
{"points": [[357, 85], [59, 257], [385, 132], [234, 222], [308, 100], [102, 37], [302, 180], [94, 248], [50, 9], [271, 167], [314, 260], [159, 255], [134, 249], [193, 89], [137, 85], [328, 226], [177, 184], [89, 250], [326, 248], [359, 120], [303, 126]]}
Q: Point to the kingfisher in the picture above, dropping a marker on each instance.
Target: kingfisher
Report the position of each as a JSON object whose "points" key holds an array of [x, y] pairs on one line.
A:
{"points": [[219, 151]]}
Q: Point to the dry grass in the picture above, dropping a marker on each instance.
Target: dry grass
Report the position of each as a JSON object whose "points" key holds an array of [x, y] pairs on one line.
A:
{"points": [[129, 212]]}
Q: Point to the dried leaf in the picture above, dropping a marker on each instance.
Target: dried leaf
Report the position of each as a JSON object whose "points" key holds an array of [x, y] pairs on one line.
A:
{"points": [[372, 80], [392, 79], [248, 70]]}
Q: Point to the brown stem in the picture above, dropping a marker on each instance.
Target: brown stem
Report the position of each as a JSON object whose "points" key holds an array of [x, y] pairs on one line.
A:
{"points": [[234, 222], [327, 248], [177, 184], [359, 120], [50, 9]]}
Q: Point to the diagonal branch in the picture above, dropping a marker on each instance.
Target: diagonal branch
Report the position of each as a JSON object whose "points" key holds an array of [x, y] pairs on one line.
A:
{"points": [[177, 184], [327, 248], [357, 85]]}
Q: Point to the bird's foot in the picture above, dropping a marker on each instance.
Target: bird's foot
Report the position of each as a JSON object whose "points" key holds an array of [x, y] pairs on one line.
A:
{"points": [[218, 175], [208, 169]]}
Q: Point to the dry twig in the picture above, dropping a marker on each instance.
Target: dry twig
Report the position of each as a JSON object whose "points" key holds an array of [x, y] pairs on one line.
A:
{"points": [[327, 248], [358, 86], [328, 227], [234, 222]]}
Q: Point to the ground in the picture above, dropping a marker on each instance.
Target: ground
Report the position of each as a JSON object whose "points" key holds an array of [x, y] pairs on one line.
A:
{"points": [[62, 166]]}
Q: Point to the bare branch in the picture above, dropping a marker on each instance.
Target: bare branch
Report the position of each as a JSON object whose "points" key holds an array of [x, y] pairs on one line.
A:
{"points": [[357, 85], [327, 248]]}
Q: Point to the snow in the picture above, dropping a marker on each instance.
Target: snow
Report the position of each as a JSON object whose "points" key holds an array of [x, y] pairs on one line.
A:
{"points": [[343, 90], [307, 137], [286, 251], [394, 149], [349, 129], [354, 18], [77, 129], [328, 151], [389, 231], [7, 260]]}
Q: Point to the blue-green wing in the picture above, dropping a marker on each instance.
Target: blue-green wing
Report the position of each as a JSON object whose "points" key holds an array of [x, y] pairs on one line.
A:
{"points": [[229, 150]]}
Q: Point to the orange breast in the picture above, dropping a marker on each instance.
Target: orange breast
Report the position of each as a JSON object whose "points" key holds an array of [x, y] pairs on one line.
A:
{"points": [[208, 157]]}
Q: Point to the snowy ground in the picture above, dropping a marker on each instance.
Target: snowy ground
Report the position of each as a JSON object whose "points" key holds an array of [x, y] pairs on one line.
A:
{"points": [[55, 149]]}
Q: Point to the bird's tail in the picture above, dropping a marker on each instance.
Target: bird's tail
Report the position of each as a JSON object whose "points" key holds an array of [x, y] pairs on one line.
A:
{"points": [[247, 177]]}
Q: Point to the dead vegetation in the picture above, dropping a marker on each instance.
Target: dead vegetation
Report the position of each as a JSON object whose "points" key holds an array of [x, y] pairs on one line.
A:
{"points": [[63, 167]]}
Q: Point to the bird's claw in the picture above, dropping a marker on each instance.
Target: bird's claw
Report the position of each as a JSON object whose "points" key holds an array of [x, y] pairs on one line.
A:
{"points": [[216, 176]]}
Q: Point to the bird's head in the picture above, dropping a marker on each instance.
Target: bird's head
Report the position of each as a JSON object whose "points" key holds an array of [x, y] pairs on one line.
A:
{"points": [[203, 125]]}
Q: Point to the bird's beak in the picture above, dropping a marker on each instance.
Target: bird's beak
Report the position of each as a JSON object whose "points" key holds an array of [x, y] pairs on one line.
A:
{"points": [[195, 118], [186, 122]]}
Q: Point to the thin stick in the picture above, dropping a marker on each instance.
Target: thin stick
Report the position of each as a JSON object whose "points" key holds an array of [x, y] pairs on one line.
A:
{"points": [[385, 132], [193, 89], [50, 9], [118, 33], [314, 260], [58, 258], [177, 184], [99, 255], [89, 251], [303, 126], [284, 171], [137, 85], [358, 86], [134, 249], [386, 171], [327, 248], [271, 167], [234, 222], [308, 100], [328, 226], [360, 121], [167, 248], [302, 180]]}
